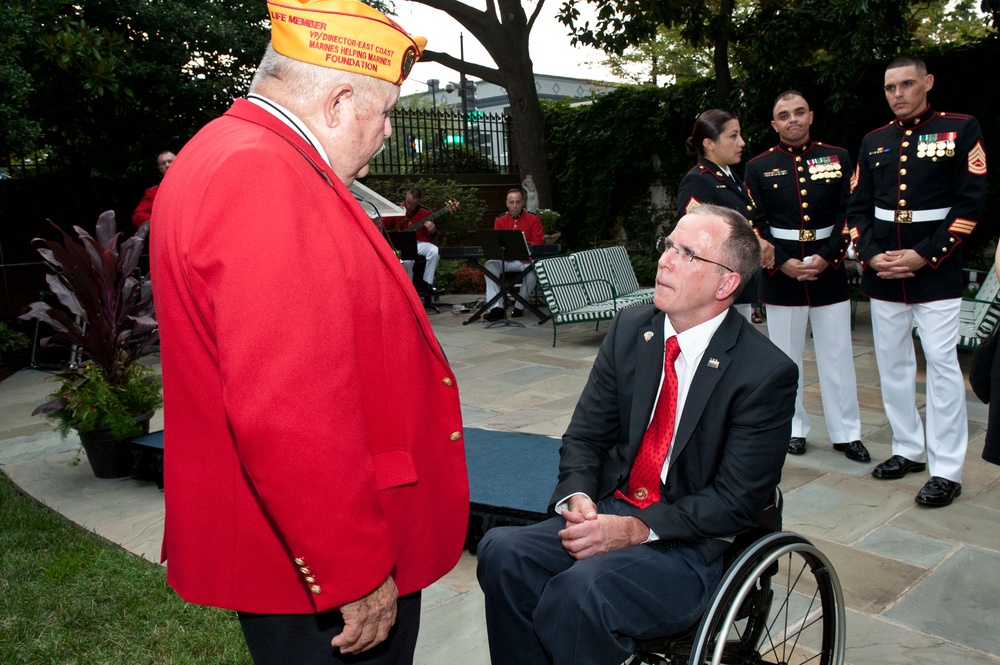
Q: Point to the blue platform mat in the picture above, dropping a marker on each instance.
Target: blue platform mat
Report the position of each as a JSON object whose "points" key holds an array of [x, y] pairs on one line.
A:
{"points": [[511, 470]]}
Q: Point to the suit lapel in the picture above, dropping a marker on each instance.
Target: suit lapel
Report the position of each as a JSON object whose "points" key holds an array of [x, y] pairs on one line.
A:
{"points": [[710, 371], [649, 367]]}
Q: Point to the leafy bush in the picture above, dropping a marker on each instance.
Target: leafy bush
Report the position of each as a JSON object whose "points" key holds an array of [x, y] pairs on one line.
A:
{"points": [[452, 227], [452, 159], [12, 343], [469, 280]]}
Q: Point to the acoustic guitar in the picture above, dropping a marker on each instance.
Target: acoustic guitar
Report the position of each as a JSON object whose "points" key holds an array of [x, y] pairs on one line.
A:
{"points": [[451, 206]]}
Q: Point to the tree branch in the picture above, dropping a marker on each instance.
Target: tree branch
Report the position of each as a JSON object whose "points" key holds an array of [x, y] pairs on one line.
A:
{"points": [[534, 14], [473, 19], [488, 74]]}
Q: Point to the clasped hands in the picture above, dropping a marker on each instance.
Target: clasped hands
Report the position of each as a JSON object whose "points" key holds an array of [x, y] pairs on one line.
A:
{"points": [[897, 263], [805, 271], [588, 532]]}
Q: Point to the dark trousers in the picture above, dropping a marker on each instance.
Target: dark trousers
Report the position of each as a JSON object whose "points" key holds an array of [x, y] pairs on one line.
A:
{"points": [[544, 606], [304, 639]]}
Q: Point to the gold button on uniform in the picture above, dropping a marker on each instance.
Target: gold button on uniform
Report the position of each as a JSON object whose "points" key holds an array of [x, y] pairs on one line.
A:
{"points": [[455, 436], [805, 218], [909, 132], [802, 179], [902, 187], [310, 580], [304, 570], [906, 144], [902, 203], [903, 158], [803, 192], [300, 562], [315, 588], [447, 381], [902, 171]]}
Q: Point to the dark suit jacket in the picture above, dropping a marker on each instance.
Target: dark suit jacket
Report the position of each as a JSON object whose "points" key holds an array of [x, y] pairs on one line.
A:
{"points": [[730, 443]]}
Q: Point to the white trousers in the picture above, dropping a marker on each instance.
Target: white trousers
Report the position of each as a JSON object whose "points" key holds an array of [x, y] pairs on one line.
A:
{"points": [[429, 251], [527, 284], [947, 425], [838, 385], [746, 310]]}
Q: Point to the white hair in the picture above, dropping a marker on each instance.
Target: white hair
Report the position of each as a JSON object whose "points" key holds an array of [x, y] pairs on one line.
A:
{"points": [[303, 84]]}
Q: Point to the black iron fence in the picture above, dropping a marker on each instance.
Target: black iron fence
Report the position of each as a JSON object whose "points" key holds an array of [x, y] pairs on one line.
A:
{"points": [[443, 142]]}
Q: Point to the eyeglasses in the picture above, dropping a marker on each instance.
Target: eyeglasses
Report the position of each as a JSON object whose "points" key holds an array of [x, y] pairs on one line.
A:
{"points": [[663, 244]]}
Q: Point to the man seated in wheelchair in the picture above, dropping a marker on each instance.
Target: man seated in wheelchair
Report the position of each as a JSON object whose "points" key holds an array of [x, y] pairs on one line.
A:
{"points": [[675, 447]]}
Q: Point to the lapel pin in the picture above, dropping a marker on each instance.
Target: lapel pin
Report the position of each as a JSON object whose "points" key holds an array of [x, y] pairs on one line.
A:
{"points": [[713, 363], [647, 336]]}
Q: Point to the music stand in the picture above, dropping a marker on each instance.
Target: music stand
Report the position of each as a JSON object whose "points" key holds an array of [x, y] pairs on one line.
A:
{"points": [[503, 246], [405, 242]]}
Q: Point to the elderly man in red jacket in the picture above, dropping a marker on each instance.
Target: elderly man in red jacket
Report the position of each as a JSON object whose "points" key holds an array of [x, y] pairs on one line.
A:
{"points": [[285, 318]]}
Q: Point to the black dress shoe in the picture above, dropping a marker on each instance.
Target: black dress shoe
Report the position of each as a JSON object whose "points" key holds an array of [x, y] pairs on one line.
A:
{"points": [[796, 446], [854, 450], [938, 492], [517, 313], [896, 466], [494, 314]]}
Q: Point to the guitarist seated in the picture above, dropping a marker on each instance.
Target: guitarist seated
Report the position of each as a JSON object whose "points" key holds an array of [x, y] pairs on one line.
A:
{"points": [[417, 214]]}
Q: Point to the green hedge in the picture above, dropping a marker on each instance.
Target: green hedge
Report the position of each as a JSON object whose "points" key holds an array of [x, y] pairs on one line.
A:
{"points": [[604, 156]]}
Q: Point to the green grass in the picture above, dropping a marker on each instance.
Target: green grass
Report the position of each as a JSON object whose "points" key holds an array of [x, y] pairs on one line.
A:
{"points": [[69, 596]]}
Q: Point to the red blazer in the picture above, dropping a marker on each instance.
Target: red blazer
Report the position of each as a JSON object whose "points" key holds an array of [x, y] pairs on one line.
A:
{"points": [[285, 318], [527, 223], [144, 210]]}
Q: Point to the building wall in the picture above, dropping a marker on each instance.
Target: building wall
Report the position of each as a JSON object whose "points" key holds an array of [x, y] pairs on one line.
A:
{"points": [[492, 98]]}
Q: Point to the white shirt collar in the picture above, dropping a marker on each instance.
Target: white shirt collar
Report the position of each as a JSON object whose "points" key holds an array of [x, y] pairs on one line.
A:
{"points": [[290, 119], [694, 341]]}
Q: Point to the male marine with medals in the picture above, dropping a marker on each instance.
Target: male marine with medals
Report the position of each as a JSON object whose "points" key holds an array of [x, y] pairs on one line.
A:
{"points": [[285, 318], [801, 190], [917, 193]]}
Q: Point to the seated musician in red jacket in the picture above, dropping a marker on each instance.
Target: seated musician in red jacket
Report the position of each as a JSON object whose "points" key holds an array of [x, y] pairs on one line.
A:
{"points": [[418, 214], [144, 210], [528, 223]]}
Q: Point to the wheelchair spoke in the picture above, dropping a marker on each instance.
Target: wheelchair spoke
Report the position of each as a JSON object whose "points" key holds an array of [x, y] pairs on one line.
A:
{"points": [[747, 624]]}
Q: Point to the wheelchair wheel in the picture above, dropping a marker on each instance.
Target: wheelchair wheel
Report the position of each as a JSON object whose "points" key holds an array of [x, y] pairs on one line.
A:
{"points": [[780, 603]]}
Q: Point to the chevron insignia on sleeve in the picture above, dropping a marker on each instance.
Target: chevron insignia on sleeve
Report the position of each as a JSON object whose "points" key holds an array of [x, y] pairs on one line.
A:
{"points": [[693, 203], [854, 177], [963, 226], [977, 159], [854, 233]]}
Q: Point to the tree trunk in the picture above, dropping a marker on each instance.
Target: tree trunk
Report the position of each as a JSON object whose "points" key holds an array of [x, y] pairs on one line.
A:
{"points": [[503, 30], [720, 58], [527, 128]]}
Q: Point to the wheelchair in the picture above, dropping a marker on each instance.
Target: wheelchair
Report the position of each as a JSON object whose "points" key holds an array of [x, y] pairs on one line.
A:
{"points": [[779, 603]]}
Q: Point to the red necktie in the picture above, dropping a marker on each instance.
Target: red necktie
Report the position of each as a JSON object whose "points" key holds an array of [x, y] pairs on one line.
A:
{"points": [[644, 481]]}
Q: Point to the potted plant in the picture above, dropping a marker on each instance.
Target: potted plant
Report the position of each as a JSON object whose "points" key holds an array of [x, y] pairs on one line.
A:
{"points": [[550, 225], [108, 396]]}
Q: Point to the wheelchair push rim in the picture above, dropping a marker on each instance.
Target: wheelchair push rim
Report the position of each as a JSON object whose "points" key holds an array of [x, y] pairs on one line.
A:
{"points": [[765, 623]]}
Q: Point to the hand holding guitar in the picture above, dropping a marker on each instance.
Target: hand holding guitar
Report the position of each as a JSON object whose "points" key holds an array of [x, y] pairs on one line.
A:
{"points": [[449, 207]]}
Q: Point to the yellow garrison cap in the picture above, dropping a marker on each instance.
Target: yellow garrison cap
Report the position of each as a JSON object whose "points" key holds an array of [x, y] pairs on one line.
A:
{"points": [[344, 34]]}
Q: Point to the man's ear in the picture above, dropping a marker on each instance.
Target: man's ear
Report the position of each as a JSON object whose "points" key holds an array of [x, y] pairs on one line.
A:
{"points": [[725, 292], [336, 102], [929, 81]]}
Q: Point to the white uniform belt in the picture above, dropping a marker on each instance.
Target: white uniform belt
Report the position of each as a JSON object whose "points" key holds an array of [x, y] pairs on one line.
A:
{"points": [[802, 235], [908, 216]]}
